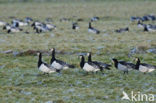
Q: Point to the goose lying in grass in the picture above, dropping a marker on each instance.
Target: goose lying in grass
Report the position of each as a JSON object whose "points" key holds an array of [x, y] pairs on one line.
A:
{"points": [[143, 67], [88, 66], [93, 30], [123, 66], [150, 28], [102, 65], [45, 68], [122, 30], [95, 18], [14, 30], [58, 64]]}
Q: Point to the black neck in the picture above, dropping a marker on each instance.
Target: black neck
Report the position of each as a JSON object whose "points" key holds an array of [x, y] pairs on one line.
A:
{"points": [[89, 58], [82, 62], [116, 63], [90, 26], [39, 60], [145, 28], [53, 57], [137, 64]]}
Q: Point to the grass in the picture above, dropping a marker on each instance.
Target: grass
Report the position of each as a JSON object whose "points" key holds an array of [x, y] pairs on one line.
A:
{"points": [[22, 82]]}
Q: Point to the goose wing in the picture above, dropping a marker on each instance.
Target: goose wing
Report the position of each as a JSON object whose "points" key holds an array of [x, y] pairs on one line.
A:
{"points": [[103, 65]]}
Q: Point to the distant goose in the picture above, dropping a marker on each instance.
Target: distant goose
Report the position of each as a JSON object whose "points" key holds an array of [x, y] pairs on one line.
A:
{"points": [[6, 27], [150, 28], [102, 65], [75, 26], [122, 30], [36, 23], [143, 67], [92, 30], [123, 66], [133, 18], [58, 64], [140, 24], [88, 66], [2, 23], [14, 30], [95, 18], [28, 19], [17, 23], [44, 67]]}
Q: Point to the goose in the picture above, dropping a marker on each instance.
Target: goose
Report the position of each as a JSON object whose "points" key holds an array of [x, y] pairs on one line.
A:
{"points": [[17, 23], [2, 23], [122, 30], [36, 23], [58, 64], [150, 28], [6, 27], [44, 67], [93, 30], [75, 26], [95, 18], [133, 18], [140, 24], [143, 67], [102, 65], [28, 19], [123, 66], [88, 66], [14, 30]]}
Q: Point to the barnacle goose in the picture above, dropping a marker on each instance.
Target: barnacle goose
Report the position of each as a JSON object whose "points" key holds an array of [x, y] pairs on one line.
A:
{"points": [[143, 67], [102, 65], [44, 67], [58, 64], [75, 26], [95, 18], [150, 28], [88, 66], [14, 30], [17, 23], [92, 30], [6, 27], [122, 30], [123, 66]]}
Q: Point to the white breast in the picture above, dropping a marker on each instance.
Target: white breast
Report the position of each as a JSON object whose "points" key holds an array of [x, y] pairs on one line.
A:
{"points": [[57, 65], [45, 69], [91, 31]]}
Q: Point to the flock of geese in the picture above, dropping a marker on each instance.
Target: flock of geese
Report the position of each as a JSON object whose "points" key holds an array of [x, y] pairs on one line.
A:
{"points": [[39, 27], [57, 65]]}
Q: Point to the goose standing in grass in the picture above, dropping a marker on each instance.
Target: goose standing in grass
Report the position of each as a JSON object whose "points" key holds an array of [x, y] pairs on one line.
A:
{"points": [[102, 65], [143, 67], [88, 66], [75, 26], [123, 66], [44, 67], [93, 30], [58, 64]]}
